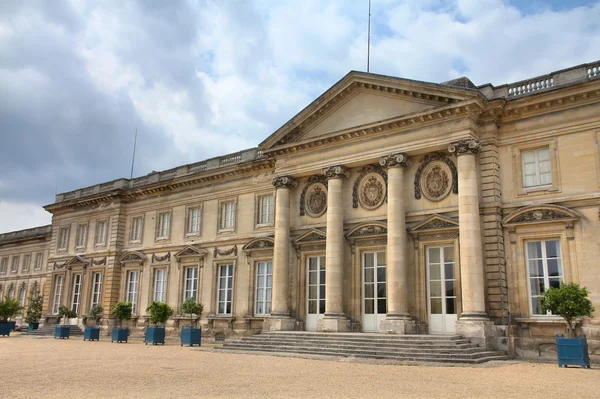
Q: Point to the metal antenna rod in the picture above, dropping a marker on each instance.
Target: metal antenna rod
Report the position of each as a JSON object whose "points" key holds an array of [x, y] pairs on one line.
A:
{"points": [[369, 38], [133, 157]]}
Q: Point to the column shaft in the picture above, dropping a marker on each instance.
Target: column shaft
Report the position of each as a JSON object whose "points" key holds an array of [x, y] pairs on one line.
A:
{"points": [[334, 252], [281, 253]]}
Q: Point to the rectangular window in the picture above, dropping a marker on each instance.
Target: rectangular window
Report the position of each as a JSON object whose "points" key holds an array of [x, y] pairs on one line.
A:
{"points": [[227, 215], [76, 298], [265, 209], [58, 287], [81, 235], [264, 284], [22, 296], [164, 222], [132, 289], [39, 257], [537, 170], [15, 264], [136, 228], [96, 289], [160, 285], [3, 265], [225, 289], [191, 283], [544, 262], [63, 238], [101, 231], [26, 262], [193, 222]]}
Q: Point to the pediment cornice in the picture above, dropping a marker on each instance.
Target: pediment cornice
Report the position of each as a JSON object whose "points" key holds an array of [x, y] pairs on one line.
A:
{"points": [[433, 223], [472, 108], [535, 214], [190, 251]]}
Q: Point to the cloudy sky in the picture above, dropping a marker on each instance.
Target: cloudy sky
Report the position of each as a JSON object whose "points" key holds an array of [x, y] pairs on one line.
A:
{"points": [[205, 78]]}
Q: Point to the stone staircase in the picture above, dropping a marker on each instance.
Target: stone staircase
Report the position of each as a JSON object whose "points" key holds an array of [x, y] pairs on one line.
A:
{"points": [[48, 331], [419, 348]]}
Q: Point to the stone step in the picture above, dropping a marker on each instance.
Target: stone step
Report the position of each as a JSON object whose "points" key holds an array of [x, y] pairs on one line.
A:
{"points": [[432, 343], [367, 336], [485, 357], [450, 349], [48, 330]]}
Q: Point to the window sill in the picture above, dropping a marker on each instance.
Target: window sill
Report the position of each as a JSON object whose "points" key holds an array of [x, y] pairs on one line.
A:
{"points": [[537, 190], [163, 239], [263, 225], [225, 231], [227, 317], [524, 322], [192, 235], [99, 244]]}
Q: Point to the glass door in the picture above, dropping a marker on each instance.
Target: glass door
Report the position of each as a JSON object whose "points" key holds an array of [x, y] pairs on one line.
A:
{"points": [[374, 290], [441, 290], [315, 291]]}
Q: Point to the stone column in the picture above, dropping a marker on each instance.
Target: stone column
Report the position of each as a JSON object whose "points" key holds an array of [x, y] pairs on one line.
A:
{"points": [[397, 320], [280, 312], [334, 319], [473, 322]]}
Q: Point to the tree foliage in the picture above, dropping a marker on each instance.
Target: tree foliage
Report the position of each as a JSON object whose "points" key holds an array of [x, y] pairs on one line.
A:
{"points": [[95, 313], [34, 308], [122, 311], [66, 313], [159, 312], [9, 308], [189, 306], [570, 301]]}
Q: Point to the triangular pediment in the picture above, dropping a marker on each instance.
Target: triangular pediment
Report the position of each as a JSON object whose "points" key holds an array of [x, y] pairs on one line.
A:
{"points": [[77, 259], [435, 222], [311, 236], [191, 250], [361, 100]]}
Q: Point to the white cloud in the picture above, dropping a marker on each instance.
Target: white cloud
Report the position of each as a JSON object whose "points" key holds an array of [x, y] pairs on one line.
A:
{"points": [[22, 215]]}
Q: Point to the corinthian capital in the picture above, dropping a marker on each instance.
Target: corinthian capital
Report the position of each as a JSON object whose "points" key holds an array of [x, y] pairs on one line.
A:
{"points": [[395, 160], [336, 172], [465, 146], [284, 182]]}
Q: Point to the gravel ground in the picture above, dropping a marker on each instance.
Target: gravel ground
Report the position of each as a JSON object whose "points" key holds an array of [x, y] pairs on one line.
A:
{"points": [[44, 367]]}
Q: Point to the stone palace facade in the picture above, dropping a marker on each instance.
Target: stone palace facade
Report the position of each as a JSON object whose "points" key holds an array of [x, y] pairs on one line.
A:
{"points": [[386, 205]]}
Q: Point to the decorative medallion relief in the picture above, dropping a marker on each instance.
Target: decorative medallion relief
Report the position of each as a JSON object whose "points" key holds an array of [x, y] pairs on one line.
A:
{"points": [[370, 188], [436, 177], [313, 200]]}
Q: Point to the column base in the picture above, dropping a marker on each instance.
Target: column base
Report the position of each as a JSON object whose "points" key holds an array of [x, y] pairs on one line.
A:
{"points": [[398, 325], [478, 329], [279, 324], [333, 323]]}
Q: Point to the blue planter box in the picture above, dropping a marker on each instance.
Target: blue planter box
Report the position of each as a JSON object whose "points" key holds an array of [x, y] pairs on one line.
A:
{"points": [[62, 332], [119, 334], [572, 351], [33, 326], [191, 336], [155, 335], [5, 329], [91, 333], [13, 325]]}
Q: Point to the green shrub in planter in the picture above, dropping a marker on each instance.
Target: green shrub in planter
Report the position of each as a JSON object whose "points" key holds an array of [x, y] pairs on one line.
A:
{"points": [[159, 314], [93, 333], [191, 336], [8, 309], [63, 331], [571, 302], [122, 311], [34, 311]]}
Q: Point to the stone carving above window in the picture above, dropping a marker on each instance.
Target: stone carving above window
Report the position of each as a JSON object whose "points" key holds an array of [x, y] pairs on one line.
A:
{"points": [[259, 243], [164, 258], [224, 252], [436, 177], [133, 256], [540, 214], [370, 188], [368, 229], [191, 251]]}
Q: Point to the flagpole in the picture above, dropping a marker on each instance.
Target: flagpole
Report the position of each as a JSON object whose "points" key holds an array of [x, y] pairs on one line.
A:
{"points": [[369, 39], [133, 157]]}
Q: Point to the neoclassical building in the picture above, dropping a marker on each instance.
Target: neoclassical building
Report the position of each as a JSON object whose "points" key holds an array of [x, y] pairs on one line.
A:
{"points": [[386, 205]]}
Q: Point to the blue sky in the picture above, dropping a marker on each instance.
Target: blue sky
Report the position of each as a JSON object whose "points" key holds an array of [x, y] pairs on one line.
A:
{"points": [[204, 78]]}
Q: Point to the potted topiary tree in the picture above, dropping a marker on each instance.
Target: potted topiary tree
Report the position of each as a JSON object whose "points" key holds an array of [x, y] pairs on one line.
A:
{"points": [[34, 311], [8, 309], [93, 333], [122, 311], [64, 331], [159, 314], [191, 336], [571, 302]]}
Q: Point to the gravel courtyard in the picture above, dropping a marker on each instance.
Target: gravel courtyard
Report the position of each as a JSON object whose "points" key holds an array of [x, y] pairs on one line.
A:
{"points": [[44, 367]]}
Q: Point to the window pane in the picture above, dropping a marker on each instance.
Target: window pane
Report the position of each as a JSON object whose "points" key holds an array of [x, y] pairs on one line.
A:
{"points": [[449, 288], [381, 274], [554, 283], [312, 292], [450, 308], [321, 306], [369, 290], [537, 286], [434, 272], [261, 268], [449, 271], [536, 268], [543, 154], [536, 306], [369, 275], [369, 260], [554, 269], [528, 156], [381, 290], [312, 306], [312, 278], [534, 249], [448, 254], [545, 178], [381, 258], [381, 306], [435, 288], [369, 306], [552, 249], [436, 305], [434, 255]]}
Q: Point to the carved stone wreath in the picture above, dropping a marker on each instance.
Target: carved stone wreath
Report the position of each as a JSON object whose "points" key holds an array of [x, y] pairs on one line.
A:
{"points": [[436, 181], [371, 191], [436, 177], [316, 200], [305, 191], [370, 188]]}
